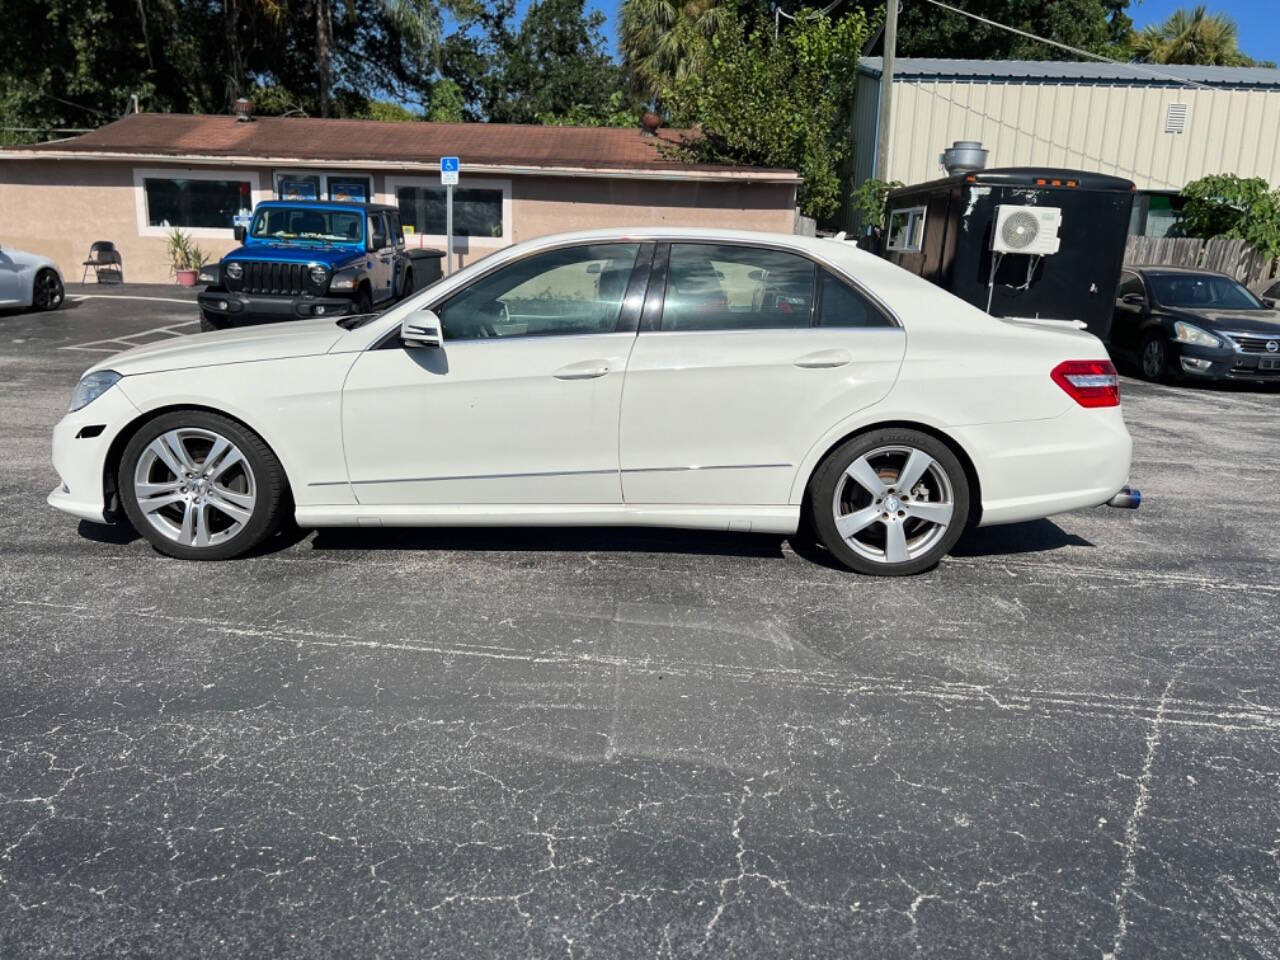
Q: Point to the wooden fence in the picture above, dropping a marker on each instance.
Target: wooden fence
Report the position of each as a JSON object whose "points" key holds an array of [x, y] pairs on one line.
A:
{"points": [[1224, 254]]}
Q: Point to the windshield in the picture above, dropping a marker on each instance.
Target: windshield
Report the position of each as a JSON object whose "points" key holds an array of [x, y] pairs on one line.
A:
{"points": [[1199, 291], [302, 223]]}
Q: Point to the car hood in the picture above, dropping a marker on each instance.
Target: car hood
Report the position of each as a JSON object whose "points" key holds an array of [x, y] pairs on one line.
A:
{"points": [[274, 341], [330, 256], [1261, 322]]}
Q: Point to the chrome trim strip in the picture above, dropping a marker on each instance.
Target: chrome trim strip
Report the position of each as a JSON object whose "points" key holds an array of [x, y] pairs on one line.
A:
{"points": [[471, 476], [557, 473], [724, 466]]}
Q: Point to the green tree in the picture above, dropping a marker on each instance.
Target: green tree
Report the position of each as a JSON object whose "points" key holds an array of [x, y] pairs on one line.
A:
{"points": [[1224, 205], [663, 41], [868, 200], [779, 101], [1193, 36], [446, 105], [1099, 26]]}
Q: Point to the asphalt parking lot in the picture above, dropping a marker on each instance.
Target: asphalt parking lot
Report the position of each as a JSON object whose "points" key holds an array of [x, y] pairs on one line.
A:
{"points": [[1063, 742]]}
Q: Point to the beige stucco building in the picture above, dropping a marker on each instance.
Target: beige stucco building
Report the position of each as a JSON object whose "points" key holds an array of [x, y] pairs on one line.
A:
{"points": [[1159, 126], [132, 181]]}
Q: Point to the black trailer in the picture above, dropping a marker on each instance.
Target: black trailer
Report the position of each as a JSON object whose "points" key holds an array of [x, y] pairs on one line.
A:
{"points": [[943, 232]]}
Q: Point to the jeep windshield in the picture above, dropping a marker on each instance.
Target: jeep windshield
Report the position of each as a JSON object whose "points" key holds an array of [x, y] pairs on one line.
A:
{"points": [[307, 225]]}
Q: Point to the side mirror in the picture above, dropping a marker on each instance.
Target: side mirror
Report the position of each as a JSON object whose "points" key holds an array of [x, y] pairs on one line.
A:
{"points": [[1269, 303], [756, 275], [422, 328], [240, 232], [1134, 300], [593, 267]]}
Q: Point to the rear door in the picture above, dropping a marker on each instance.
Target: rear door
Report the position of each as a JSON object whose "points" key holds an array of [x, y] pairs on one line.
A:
{"points": [[382, 250], [746, 355]]}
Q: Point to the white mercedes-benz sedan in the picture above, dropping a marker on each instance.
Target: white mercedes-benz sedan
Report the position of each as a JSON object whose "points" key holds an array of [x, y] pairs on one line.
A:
{"points": [[669, 377]]}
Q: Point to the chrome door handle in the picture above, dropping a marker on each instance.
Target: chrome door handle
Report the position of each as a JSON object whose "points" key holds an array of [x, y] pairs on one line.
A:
{"points": [[583, 370], [823, 359]]}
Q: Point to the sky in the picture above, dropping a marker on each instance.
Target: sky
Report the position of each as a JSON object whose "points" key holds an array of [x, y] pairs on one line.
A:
{"points": [[1258, 20]]}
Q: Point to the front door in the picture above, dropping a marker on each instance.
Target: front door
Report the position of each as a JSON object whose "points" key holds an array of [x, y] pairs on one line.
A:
{"points": [[9, 279], [752, 355], [520, 405]]}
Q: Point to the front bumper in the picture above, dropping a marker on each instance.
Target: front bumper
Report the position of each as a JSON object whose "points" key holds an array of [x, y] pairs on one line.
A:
{"points": [[254, 306], [1225, 363], [81, 441]]}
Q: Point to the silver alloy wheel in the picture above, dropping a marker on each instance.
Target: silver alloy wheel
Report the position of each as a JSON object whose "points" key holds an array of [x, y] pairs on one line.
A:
{"points": [[195, 487], [893, 504], [1153, 359]]}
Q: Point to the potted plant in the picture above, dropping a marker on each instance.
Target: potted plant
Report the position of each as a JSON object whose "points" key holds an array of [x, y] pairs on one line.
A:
{"points": [[185, 257]]}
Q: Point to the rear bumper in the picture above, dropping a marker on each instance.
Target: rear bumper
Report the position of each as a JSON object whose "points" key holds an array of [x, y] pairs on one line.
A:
{"points": [[1035, 468], [246, 306]]}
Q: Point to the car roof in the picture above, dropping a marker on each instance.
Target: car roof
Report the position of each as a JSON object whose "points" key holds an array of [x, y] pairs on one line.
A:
{"points": [[1172, 270], [330, 205]]}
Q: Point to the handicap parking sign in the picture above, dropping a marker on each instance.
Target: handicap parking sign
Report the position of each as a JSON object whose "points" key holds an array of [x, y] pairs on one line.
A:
{"points": [[449, 167]]}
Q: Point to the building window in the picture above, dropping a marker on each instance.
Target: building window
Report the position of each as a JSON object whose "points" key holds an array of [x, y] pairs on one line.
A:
{"points": [[477, 211], [906, 230], [305, 185], [195, 203]]}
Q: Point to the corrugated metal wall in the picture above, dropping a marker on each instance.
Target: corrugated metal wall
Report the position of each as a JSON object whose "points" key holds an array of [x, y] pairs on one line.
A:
{"points": [[1107, 129]]}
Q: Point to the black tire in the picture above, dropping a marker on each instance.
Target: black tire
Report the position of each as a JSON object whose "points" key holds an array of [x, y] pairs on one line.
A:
{"points": [[887, 452], [212, 321], [363, 302], [1154, 360], [47, 291], [269, 485], [407, 286]]}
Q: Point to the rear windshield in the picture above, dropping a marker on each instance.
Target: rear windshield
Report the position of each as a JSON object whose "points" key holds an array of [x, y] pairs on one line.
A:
{"points": [[287, 223], [1198, 291]]}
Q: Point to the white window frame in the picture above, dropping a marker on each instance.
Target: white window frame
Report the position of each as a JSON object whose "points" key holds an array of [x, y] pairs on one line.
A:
{"points": [[324, 175], [914, 215], [141, 174], [481, 183]]}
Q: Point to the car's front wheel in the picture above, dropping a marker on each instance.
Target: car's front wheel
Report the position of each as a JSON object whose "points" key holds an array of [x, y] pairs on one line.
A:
{"points": [[890, 502], [1154, 360], [209, 322], [200, 486], [48, 292]]}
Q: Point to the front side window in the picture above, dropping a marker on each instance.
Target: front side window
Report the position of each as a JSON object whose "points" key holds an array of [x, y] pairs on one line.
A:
{"points": [[906, 230], [377, 232], [842, 306], [578, 290], [195, 203], [1195, 290], [303, 224], [477, 211], [726, 287]]}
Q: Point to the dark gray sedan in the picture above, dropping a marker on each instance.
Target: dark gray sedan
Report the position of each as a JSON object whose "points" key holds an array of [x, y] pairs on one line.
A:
{"points": [[1179, 323]]}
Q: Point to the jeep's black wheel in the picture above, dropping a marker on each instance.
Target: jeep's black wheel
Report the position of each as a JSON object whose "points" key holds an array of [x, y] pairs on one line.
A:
{"points": [[407, 286], [363, 302], [212, 321]]}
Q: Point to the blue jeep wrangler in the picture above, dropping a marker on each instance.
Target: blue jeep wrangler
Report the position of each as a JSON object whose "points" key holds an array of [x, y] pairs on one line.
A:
{"points": [[306, 258]]}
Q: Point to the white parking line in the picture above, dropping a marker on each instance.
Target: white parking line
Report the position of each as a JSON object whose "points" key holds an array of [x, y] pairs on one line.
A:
{"points": [[169, 331], [123, 296]]}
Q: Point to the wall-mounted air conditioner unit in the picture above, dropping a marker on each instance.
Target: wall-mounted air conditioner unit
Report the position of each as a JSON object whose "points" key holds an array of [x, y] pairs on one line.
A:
{"points": [[1030, 230]]}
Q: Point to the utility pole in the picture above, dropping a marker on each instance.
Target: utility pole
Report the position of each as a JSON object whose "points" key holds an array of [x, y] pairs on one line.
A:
{"points": [[886, 89]]}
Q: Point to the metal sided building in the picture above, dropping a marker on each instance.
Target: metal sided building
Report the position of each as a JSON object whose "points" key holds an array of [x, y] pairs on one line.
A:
{"points": [[1161, 132]]}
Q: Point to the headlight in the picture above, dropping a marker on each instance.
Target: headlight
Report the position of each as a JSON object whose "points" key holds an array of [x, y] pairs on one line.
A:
{"points": [[91, 387], [1187, 333], [209, 274], [234, 270], [343, 283], [318, 275]]}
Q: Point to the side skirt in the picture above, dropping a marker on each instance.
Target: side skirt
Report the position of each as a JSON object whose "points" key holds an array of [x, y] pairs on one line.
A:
{"points": [[783, 519]]}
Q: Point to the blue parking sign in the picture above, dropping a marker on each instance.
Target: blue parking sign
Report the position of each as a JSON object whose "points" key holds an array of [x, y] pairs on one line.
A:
{"points": [[449, 168]]}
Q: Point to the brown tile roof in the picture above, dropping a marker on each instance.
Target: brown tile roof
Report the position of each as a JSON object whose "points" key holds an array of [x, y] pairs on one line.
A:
{"points": [[314, 139]]}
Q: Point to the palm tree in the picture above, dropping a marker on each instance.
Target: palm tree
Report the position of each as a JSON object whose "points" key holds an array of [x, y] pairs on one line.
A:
{"points": [[1192, 37], [662, 40]]}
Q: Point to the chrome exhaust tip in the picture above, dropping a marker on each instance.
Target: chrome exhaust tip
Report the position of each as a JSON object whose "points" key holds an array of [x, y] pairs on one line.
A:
{"points": [[1129, 498]]}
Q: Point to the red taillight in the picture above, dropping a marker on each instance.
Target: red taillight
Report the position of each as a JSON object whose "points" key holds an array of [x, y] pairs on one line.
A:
{"points": [[1091, 383]]}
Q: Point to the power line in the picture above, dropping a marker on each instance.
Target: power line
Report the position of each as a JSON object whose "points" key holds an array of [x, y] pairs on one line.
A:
{"points": [[1137, 67]]}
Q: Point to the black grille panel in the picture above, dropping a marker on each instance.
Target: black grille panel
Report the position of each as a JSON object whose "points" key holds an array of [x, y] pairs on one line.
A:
{"points": [[1253, 344], [269, 277]]}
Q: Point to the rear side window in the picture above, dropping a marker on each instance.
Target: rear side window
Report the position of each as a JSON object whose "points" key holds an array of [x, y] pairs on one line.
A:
{"points": [[377, 231], [842, 306], [728, 287], [1129, 283]]}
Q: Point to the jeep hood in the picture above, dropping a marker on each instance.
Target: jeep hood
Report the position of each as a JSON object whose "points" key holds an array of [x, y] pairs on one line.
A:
{"points": [[273, 341], [331, 255]]}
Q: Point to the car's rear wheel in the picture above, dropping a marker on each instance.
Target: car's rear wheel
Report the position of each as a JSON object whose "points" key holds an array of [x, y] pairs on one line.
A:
{"points": [[890, 502], [200, 486], [408, 284], [47, 292], [1154, 360]]}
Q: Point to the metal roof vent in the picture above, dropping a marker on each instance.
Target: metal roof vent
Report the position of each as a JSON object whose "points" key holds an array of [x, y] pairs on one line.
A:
{"points": [[963, 156], [1175, 118], [244, 110]]}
